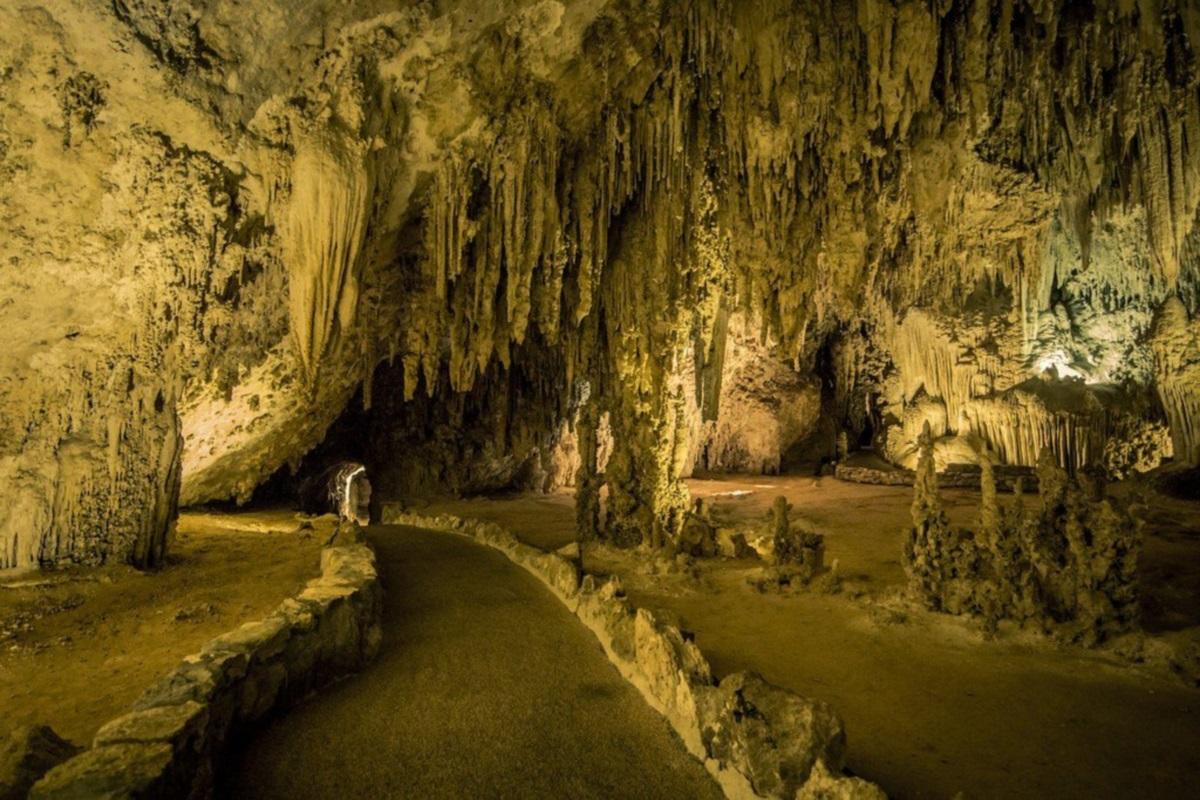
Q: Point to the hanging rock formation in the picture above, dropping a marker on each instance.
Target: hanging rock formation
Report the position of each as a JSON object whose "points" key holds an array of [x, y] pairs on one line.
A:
{"points": [[1176, 345], [217, 219]]}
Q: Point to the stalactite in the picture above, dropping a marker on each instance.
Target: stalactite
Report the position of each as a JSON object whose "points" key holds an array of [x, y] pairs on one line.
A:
{"points": [[809, 200], [955, 360], [947, 193], [587, 488], [513, 240], [1019, 426]]}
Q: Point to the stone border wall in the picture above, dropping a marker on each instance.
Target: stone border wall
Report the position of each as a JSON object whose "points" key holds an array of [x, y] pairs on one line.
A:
{"points": [[166, 747], [756, 739]]}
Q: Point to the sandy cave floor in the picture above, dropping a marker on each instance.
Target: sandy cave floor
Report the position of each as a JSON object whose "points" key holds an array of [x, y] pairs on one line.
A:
{"points": [[78, 646], [931, 707]]}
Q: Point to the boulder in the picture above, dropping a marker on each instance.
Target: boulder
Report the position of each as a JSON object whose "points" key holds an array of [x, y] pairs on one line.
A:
{"points": [[178, 724], [673, 675], [28, 754], [771, 736], [141, 769]]}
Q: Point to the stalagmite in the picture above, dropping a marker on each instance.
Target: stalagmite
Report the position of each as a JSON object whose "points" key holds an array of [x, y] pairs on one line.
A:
{"points": [[1069, 569]]}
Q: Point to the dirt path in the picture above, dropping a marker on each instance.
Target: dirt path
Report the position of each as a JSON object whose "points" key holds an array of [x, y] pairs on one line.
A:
{"points": [[485, 687]]}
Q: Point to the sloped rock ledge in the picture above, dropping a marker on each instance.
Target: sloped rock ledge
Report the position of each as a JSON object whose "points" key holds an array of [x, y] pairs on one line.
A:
{"points": [[955, 476], [166, 747], [756, 739]]}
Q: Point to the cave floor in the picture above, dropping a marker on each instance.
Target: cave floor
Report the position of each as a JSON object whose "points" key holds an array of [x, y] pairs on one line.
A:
{"points": [[485, 686], [931, 707], [78, 646]]}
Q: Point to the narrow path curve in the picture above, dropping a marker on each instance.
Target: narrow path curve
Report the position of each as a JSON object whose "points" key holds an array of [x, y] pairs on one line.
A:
{"points": [[486, 686]]}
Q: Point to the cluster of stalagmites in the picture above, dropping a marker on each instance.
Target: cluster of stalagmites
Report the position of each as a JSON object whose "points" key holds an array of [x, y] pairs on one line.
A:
{"points": [[1068, 567], [793, 556], [796, 555]]}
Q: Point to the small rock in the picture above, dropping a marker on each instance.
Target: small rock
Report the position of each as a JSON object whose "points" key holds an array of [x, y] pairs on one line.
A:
{"points": [[825, 785], [197, 612], [122, 770]]}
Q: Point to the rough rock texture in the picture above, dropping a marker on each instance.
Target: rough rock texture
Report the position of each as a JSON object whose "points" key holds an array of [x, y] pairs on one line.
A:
{"points": [[28, 754], [167, 746], [215, 223]]}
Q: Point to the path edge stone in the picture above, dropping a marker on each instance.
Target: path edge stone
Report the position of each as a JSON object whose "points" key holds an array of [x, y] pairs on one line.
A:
{"points": [[169, 743], [756, 740]]}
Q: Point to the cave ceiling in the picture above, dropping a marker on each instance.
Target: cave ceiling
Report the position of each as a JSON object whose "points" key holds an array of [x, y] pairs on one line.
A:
{"points": [[218, 218]]}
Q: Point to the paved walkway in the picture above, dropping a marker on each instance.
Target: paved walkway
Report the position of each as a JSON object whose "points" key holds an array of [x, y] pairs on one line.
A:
{"points": [[485, 687]]}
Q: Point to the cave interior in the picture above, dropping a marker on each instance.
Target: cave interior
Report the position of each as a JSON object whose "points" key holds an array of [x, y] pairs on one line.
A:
{"points": [[859, 339]]}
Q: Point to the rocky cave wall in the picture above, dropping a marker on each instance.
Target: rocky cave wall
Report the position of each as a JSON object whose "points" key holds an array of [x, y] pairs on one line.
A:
{"points": [[217, 223]]}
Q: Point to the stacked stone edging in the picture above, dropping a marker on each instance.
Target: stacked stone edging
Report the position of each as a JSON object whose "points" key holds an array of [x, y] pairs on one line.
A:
{"points": [[166, 747], [756, 739]]}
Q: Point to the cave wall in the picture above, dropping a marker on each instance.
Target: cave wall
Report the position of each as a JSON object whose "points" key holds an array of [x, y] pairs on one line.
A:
{"points": [[752, 409], [217, 223]]}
